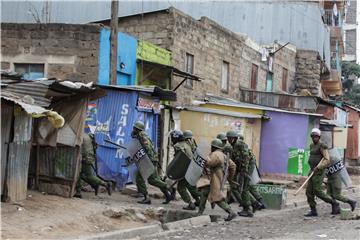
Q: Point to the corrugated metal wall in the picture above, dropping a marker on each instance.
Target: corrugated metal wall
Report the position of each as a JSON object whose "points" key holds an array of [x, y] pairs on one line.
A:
{"points": [[114, 115], [264, 21], [17, 160], [59, 162], [17, 170], [6, 124]]}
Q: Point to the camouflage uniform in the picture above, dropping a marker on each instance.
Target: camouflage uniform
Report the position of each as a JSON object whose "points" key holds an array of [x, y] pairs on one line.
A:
{"points": [[86, 173], [234, 189], [317, 153], [334, 188], [192, 144], [241, 158], [255, 196], [154, 178], [228, 149], [183, 186]]}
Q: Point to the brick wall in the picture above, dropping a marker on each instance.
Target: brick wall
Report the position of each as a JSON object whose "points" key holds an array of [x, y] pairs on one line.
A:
{"points": [[211, 44], [308, 68], [67, 51]]}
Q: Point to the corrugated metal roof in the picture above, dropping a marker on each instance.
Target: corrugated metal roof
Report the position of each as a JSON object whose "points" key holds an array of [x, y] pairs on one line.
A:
{"points": [[233, 103], [46, 91], [221, 112], [29, 108], [155, 91], [36, 90], [352, 107]]}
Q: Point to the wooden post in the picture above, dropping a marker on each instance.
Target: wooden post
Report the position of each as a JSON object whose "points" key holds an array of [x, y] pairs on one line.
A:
{"points": [[37, 172], [113, 41]]}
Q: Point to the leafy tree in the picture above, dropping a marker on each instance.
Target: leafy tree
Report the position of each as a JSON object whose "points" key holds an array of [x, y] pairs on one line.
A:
{"points": [[350, 73]]}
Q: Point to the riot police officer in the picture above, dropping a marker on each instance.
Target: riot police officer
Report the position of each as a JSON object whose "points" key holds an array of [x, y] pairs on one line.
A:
{"points": [[179, 143], [154, 179]]}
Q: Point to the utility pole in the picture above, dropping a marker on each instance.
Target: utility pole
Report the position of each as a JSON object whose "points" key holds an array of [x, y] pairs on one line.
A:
{"points": [[113, 41]]}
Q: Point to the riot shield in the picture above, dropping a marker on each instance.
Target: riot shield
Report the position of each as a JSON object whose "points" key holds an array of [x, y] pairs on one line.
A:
{"points": [[337, 167], [195, 168], [254, 177], [140, 158], [178, 166]]}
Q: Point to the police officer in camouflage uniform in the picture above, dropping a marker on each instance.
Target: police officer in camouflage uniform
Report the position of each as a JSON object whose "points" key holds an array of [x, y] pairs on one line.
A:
{"points": [[212, 190], [256, 199], [180, 144], [319, 159], [154, 179], [188, 135], [234, 189], [242, 160], [86, 173], [334, 190]]}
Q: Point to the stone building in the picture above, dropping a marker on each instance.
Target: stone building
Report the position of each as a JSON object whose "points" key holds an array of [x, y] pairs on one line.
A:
{"points": [[349, 26], [63, 51], [225, 61]]}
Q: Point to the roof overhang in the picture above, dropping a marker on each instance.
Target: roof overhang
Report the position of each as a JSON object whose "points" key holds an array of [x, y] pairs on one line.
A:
{"points": [[172, 70], [221, 112], [154, 91]]}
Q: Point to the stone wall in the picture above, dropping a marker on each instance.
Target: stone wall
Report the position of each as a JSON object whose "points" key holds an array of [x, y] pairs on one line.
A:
{"points": [[210, 44], [351, 13], [308, 69], [350, 42], [67, 51]]}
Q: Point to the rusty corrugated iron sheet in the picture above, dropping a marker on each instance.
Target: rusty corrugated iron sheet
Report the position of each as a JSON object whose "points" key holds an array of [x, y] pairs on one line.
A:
{"points": [[279, 100], [17, 170], [58, 162], [6, 122], [35, 90]]}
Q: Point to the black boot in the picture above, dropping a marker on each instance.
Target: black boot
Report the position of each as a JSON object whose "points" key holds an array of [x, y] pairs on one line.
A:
{"points": [[352, 204], [255, 206], [262, 205], [312, 212], [173, 193], [108, 188], [335, 208], [96, 188], [146, 200], [246, 213], [197, 202], [168, 196], [231, 216], [78, 195], [190, 207]]}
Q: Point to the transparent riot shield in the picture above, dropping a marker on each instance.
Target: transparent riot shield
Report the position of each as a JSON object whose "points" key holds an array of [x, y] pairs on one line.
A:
{"points": [[140, 158], [195, 168], [337, 167]]}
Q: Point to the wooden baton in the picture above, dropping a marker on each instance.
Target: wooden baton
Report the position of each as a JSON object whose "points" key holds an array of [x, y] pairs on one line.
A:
{"points": [[306, 181]]}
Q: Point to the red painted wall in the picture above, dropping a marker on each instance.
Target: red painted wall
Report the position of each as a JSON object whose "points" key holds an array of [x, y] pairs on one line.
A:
{"points": [[353, 134]]}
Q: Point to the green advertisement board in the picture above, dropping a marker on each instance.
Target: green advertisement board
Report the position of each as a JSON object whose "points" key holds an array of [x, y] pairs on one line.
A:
{"points": [[273, 196], [298, 161]]}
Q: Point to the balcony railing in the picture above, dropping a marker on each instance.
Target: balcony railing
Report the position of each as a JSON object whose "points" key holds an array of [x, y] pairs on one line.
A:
{"points": [[332, 20]]}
